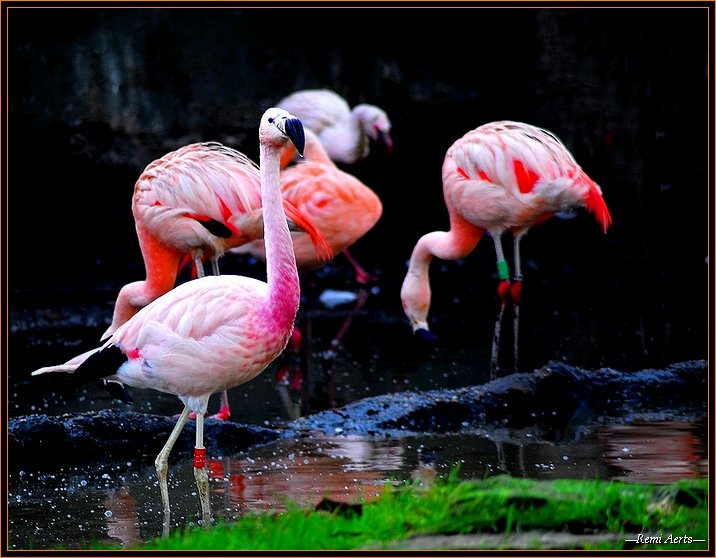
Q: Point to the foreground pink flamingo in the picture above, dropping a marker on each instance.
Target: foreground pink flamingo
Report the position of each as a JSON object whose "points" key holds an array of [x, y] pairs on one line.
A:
{"points": [[501, 176], [213, 333], [345, 133], [196, 202]]}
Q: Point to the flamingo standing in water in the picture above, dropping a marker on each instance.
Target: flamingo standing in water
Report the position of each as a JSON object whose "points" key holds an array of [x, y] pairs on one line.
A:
{"points": [[213, 333], [501, 176], [196, 202], [345, 133]]}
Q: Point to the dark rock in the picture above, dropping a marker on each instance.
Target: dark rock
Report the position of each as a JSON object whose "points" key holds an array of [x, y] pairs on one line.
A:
{"points": [[44, 442], [555, 397]]}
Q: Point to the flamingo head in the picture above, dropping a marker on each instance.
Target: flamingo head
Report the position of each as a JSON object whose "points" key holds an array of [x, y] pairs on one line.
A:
{"points": [[277, 126], [375, 124]]}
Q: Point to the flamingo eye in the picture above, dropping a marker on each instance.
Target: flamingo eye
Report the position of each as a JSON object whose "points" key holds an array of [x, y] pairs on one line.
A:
{"points": [[270, 119]]}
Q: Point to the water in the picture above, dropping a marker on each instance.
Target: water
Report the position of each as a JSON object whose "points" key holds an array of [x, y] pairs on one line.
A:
{"points": [[120, 503]]}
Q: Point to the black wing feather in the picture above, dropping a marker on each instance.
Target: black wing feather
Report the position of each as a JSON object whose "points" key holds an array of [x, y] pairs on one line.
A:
{"points": [[100, 365]]}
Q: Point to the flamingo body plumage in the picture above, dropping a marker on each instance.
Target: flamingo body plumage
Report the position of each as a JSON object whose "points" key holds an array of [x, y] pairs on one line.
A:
{"points": [[213, 333], [502, 176], [344, 132]]}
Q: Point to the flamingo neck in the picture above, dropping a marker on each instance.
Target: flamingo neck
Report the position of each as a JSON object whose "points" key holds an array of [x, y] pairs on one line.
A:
{"points": [[161, 266], [161, 263], [314, 151], [457, 243], [281, 272]]}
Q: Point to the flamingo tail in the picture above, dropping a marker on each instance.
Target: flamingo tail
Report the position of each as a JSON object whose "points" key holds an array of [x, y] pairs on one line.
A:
{"points": [[595, 204]]}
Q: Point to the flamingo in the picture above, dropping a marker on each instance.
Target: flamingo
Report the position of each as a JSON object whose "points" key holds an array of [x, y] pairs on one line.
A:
{"points": [[345, 133], [342, 208], [212, 333], [500, 176], [195, 202]]}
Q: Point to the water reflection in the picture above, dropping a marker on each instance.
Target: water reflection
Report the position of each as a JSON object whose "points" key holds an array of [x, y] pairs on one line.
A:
{"points": [[655, 452], [112, 502]]}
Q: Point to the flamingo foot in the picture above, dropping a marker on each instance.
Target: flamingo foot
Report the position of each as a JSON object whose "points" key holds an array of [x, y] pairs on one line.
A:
{"points": [[365, 278], [223, 414]]}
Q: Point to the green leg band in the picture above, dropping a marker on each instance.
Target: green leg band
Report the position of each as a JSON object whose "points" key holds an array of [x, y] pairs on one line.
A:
{"points": [[503, 270]]}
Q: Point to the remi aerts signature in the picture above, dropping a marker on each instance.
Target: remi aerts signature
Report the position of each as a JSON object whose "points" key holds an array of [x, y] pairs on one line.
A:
{"points": [[641, 538]]}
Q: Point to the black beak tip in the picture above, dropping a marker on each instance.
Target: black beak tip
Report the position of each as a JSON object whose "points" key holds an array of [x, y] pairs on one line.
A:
{"points": [[294, 130], [425, 335]]}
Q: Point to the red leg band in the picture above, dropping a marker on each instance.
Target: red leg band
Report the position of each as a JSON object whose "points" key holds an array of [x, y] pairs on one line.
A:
{"points": [[199, 458], [503, 290], [516, 292]]}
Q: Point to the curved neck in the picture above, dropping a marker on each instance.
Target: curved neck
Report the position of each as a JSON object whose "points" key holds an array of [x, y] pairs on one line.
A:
{"points": [[457, 243], [314, 151], [281, 273], [161, 265]]}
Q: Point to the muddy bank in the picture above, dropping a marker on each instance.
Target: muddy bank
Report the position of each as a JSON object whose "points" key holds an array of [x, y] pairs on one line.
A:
{"points": [[42, 442], [557, 397], [559, 401]]}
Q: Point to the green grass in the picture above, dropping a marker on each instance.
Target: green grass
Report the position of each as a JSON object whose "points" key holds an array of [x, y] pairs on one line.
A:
{"points": [[502, 505]]}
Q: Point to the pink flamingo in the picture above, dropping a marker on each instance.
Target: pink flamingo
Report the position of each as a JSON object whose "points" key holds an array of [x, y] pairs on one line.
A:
{"points": [[345, 133], [342, 208], [196, 202], [501, 176], [213, 333]]}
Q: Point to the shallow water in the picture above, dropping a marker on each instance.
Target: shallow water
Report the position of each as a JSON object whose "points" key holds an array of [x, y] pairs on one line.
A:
{"points": [[121, 504], [377, 354]]}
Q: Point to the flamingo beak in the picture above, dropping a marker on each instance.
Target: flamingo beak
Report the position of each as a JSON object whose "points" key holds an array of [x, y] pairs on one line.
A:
{"points": [[294, 131], [386, 140]]}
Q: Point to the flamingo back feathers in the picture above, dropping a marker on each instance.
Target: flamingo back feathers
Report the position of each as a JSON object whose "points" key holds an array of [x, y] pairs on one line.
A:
{"points": [[523, 159]]}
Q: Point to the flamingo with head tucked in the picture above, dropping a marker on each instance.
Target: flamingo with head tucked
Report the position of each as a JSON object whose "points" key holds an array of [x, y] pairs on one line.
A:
{"points": [[213, 333], [344, 132], [196, 202], [502, 176]]}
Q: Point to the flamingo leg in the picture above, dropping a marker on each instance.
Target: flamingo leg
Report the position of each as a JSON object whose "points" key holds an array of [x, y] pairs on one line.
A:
{"points": [[215, 266], [199, 266], [516, 294], [162, 466], [200, 475], [362, 276], [224, 408], [502, 290], [360, 302]]}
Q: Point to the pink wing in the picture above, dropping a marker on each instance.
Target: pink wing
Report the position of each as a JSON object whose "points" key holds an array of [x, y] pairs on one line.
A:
{"points": [[199, 182], [194, 309], [213, 326], [515, 175]]}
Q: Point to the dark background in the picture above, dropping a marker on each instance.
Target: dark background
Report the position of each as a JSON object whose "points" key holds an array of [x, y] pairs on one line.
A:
{"points": [[96, 94]]}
